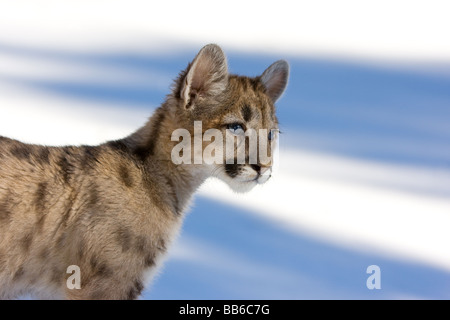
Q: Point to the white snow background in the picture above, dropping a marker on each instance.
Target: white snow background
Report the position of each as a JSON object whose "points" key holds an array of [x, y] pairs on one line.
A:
{"points": [[364, 172]]}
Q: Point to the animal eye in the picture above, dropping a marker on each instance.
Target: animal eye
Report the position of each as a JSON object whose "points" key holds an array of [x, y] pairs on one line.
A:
{"points": [[271, 135], [235, 128]]}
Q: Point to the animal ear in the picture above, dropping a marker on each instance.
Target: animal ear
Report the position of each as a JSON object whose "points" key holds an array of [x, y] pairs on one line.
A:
{"points": [[275, 79], [206, 75]]}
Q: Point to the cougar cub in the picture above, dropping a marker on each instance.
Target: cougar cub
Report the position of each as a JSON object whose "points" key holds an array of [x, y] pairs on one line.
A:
{"points": [[109, 212]]}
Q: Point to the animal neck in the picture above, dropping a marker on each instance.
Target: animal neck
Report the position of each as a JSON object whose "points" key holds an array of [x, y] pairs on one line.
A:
{"points": [[152, 144]]}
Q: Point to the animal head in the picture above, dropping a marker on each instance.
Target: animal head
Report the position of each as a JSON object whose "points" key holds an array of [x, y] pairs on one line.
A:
{"points": [[234, 115]]}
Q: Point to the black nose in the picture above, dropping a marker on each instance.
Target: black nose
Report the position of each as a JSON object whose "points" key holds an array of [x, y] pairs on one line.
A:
{"points": [[256, 168]]}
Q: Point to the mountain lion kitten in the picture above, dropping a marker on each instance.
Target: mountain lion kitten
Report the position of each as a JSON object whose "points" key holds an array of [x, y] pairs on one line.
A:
{"points": [[111, 211]]}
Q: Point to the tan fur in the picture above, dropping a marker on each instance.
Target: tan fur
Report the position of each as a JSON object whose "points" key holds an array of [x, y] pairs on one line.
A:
{"points": [[114, 209]]}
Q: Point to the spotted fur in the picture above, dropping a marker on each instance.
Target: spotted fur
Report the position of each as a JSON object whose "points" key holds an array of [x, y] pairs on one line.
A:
{"points": [[114, 209]]}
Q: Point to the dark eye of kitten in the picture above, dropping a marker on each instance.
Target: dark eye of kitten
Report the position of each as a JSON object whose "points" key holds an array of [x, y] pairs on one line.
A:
{"points": [[235, 128]]}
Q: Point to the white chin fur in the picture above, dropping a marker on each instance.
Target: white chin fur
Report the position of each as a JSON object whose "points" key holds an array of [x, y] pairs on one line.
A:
{"points": [[239, 184], [241, 187]]}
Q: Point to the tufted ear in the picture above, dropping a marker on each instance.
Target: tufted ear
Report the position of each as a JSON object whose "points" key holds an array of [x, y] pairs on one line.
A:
{"points": [[207, 75], [275, 79]]}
